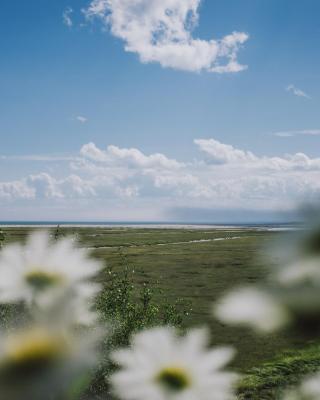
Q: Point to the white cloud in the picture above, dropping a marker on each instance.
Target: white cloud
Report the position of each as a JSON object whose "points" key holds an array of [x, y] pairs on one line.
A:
{"points": [[220, 153], [161, 31], [307, 132], [129, 180], [71, 186], [297, 92], [66, 17], [82, 119], [16, 190], [127, 157], [91, 151]]}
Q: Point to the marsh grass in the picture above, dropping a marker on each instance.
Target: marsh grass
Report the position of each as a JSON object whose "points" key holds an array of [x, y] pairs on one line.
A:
{"points": [[143, 282], [269, 380], [197, 272]]}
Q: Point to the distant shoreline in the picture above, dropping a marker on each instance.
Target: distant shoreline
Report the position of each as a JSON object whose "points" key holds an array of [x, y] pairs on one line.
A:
{"points": [[151, 225]]}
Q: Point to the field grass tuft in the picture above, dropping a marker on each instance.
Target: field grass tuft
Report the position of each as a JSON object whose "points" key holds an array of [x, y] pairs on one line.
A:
{"points": [[269, 380]]}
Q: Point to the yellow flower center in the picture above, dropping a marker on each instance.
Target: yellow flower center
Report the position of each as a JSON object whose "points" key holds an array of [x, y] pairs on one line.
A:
{"points": [[41, 280], [32, 351], [174, 378]]}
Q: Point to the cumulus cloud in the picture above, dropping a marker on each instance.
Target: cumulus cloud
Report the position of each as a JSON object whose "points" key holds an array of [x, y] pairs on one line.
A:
{"points": [[297, 92], [221, 153], [71, 186], [66, 17], [161, 31], [16, 190], [222, 176], [127, 157]]}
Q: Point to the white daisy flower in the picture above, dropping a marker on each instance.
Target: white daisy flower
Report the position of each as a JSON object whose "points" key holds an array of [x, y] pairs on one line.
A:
{"points": [[39, 360], [297, 286], [311, 387], [68, 307], [308, 390], [161, 365], [304, 271], [40, 268], [252, 307]]}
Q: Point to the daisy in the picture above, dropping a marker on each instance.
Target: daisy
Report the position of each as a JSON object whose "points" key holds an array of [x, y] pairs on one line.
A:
{"points": [[40, 268], [43, 359], [252, 307], [160, 365], [68, 307], [303, 272], [297, 286], [308, 390]]}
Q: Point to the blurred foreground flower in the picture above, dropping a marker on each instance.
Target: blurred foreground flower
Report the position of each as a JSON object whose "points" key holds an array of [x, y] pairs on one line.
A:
{"points": [[250, 306], [43, 361], [308, 390], [39, 271], [45, 358], [160, 365], [291, 295]]}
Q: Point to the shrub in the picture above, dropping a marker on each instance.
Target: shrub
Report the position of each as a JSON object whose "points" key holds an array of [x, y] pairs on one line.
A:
{"points": [[128, 308]]}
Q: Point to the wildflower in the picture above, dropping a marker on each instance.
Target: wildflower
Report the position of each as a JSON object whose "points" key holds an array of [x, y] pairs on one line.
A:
{"points": [[42, 359], [68, 308], [253, 307], [308, 390], [160, 366], [303, 272], [297, 286], [39, 269], [31, 350]]}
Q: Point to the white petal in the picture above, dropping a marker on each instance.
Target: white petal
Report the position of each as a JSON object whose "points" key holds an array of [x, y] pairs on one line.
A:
{"points": [[252, 307]]}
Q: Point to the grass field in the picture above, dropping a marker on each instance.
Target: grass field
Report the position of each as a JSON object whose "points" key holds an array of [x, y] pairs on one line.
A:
{"points": [[197, 266]]}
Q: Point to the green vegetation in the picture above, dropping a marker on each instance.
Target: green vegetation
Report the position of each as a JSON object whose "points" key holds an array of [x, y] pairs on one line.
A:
{"points": [[193, 265], [2, 238], [270, 379], [127, 309], [173, 276]]}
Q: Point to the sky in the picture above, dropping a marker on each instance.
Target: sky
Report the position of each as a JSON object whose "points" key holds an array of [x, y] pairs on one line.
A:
{"points": [[159, 110]]}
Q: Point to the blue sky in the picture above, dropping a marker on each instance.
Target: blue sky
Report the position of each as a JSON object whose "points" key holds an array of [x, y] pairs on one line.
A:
{"points": [[62, 87]]}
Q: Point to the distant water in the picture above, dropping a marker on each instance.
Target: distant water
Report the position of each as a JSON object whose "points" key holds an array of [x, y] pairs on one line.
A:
{"points": [[155, 225]]}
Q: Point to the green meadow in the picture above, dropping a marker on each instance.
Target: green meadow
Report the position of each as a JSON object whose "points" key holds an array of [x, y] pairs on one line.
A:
{"points": [[196, 267]]}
